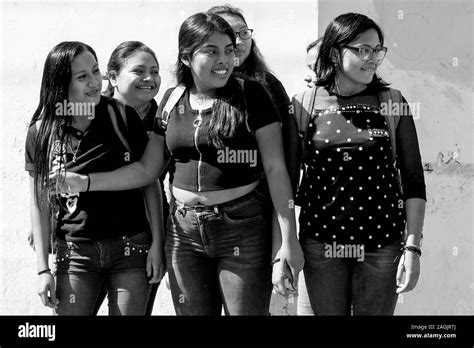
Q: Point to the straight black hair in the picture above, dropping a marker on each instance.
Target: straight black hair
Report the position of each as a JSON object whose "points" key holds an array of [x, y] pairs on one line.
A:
{"points": [[54, 89], [228, 109], [341, 31]]}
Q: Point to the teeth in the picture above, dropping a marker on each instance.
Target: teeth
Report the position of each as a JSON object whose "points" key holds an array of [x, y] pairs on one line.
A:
{"points": [[145, 87], [220, 72]]}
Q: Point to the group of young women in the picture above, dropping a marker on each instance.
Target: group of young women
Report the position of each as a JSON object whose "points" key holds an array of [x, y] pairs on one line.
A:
{"points": [[232, 146]]}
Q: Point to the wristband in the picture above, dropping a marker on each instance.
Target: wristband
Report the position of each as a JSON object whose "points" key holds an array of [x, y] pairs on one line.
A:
{"points": [[88, 182], [413, 249], [44, 271], [275, 261]]}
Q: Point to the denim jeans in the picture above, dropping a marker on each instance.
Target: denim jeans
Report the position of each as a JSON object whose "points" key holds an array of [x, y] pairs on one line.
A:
{"points": [[220, 256], [117, 265], [336, 284]]}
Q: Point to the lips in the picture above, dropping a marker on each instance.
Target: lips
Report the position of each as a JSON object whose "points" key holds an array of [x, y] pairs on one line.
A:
{"points": [[149, 88], [220, 72], [93, 93]]}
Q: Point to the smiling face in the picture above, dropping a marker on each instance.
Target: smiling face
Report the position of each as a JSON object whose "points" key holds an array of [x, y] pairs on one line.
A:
{"points": [[138, 81], [212, 64], [356, 74], [243, 46], [86, 80]]}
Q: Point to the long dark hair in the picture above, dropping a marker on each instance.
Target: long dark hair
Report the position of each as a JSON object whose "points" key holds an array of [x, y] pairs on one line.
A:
{"points": [[54, 89], [254, 66], [118, 57], [341, 31], [228, 109]]}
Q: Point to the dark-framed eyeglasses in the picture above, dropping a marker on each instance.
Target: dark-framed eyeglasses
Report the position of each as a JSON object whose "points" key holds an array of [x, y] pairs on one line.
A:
{"points": [[366, 53], [244, 34]]}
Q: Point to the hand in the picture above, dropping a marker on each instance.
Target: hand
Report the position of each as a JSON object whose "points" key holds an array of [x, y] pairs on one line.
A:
{"points": [[282, 279], [68, 182], [410, 266], [155, 263], [291, 263], [46, 284]]}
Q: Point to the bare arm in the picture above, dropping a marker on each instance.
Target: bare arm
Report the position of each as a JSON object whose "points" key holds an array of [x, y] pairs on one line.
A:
{"points": [[154, 205], [271, 150], [41, 226]]}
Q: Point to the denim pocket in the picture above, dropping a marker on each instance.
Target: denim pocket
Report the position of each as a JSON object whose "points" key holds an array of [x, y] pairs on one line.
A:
{"points": [[245, 212], [139, 242]]}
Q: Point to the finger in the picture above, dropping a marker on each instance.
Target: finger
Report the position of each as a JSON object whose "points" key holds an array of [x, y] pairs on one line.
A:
{"points": [[404, 287], [52, 291], [43, 297], [294, 278], [400, 271], [280, 287], [148, 267], [155, 278]]}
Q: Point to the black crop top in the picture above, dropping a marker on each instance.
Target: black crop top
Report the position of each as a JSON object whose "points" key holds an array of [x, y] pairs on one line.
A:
{"points": [[196, 164]]}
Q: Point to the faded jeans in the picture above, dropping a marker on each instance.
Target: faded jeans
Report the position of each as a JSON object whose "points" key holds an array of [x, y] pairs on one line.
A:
{"points": [[335, 285], [219, 256]]}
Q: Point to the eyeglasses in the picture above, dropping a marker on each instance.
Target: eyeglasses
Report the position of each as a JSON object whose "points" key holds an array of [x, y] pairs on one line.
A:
{"points": [[365, 53], [244, 34]]}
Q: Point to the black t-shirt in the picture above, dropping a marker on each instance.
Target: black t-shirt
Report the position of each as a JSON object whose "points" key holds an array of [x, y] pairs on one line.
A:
{"points": [[350, 193], [196, 164], [99, 214]]}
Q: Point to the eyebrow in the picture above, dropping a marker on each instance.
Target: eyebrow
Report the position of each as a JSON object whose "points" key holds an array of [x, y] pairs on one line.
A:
{"points": [[364, 45], [83, 71], [143, 66], [215, 46]]}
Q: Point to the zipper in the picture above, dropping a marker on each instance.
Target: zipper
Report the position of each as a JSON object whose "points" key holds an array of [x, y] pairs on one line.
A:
{"points": [[197, 123]]}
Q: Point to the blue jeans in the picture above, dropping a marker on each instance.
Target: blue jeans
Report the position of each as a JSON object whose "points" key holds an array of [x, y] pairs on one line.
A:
{"points": [[335, 284], [117, 264], [220, 256]]}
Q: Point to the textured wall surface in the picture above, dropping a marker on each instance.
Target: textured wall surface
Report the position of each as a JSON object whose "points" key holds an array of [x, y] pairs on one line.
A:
{"points": [[429, 60]]}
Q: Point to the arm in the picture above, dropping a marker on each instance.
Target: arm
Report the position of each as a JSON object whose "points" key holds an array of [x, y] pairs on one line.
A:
{"points": [[414, 193], [154, 206], [134, 175], [40, 224], [286, 246]]}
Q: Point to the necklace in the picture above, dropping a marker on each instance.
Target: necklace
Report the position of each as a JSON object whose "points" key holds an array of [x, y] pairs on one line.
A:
{"points": [[74, 153]]}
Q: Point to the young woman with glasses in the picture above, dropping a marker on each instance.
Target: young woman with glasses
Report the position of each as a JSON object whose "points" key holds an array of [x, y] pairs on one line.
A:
{"points": [[250, 63], [354, 214]]}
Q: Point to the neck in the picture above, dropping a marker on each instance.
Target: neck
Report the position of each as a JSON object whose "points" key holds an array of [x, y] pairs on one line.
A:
{"points": [[142, 109], [203, 93], [81, 122], [345, 87]]}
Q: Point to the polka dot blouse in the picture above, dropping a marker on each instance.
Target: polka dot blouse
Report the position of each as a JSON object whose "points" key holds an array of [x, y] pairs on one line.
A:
{"points": [[350, 193]]}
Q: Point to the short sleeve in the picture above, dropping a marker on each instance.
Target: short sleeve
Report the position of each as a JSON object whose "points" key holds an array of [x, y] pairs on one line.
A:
{"points": [[158, 126], [137, 135], [30, 149], [260, 107]]}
